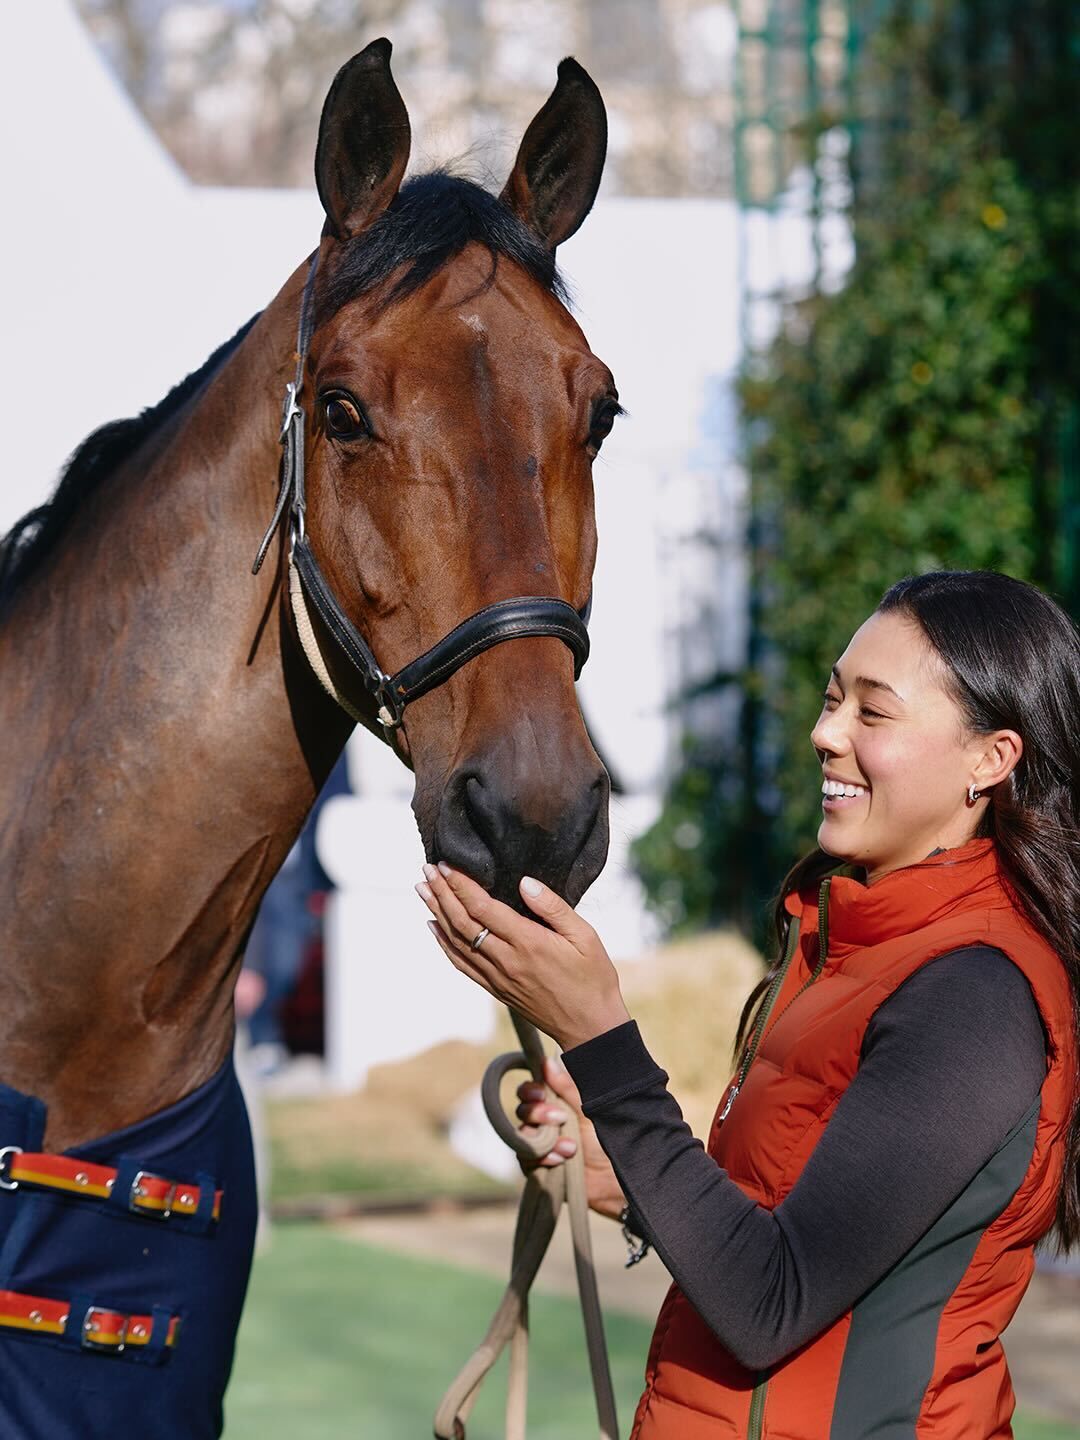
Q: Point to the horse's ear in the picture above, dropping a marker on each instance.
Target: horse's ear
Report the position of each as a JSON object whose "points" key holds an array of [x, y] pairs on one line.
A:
{"points": [[557, 171], [363, 142]]}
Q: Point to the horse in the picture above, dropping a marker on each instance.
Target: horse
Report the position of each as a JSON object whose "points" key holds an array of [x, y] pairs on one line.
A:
{"points": [[169, 716]]}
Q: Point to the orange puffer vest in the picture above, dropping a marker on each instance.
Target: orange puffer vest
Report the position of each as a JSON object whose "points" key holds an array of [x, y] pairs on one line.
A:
{"points": [[919, 1355]]}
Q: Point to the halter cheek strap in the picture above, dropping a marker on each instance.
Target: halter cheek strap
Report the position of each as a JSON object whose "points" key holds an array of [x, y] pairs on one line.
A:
{"points": [[510, 619], [291, 435]]}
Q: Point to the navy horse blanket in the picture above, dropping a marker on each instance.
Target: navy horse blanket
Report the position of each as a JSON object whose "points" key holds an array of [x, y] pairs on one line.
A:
{"points": [[88, 1252]]}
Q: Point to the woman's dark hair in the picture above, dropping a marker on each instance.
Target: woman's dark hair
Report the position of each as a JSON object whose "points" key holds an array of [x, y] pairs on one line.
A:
{"points": [[1012, 662]]}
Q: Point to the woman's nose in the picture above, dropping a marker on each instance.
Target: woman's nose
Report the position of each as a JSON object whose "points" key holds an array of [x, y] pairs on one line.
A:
{"points": [[829, 735]]}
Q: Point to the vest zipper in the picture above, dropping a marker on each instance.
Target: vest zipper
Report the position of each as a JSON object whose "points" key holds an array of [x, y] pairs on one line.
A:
{"points": [[763, 1016], [757, 1411], [756, 1426], [822, 928]]}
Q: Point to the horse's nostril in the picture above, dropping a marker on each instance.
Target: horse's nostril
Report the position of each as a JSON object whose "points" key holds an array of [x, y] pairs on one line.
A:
{"points": [[478, 814], [462, 837], [491, 820]]}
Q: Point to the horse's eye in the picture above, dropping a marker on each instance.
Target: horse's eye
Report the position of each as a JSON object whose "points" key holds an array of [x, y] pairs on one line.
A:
{"points": [[343, 418], [602, 421]]}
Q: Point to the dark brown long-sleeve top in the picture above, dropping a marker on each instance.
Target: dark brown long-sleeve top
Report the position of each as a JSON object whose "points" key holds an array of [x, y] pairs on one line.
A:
{"points": [[949, 1064]]}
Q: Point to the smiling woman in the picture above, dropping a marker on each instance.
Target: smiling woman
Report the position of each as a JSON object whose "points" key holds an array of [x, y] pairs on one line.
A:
{"points": [[902, 1127], [896, 761]]}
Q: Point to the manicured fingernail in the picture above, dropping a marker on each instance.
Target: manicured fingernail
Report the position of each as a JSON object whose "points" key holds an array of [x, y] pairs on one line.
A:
{"points": [[424, 891], [430, 871], [531, 887], [556, 1064], [444, 867], [433, 927], [556, 1117]]}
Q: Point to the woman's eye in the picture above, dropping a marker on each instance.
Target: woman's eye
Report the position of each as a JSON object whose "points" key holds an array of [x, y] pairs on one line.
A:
{"points": [[868, 714], [830, 699], [343, 418]]}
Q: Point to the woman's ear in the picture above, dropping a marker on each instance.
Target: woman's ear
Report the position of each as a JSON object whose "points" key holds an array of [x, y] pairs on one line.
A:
{"points": [[363, 142], [999, 758], [557, 171]]}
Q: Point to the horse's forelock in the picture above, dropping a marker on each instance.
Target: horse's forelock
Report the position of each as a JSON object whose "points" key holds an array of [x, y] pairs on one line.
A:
{"points": [[431, 220]]}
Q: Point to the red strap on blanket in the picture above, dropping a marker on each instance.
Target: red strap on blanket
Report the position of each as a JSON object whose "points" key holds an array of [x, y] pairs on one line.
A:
{"points": [[102, 1329], [153, 1194]]}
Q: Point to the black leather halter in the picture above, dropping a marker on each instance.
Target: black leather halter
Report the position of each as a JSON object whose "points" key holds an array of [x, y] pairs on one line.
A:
{"points": [[505, 620]]}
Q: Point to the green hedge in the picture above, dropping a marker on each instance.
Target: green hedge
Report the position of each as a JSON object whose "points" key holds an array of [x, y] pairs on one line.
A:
{"points": [[915, 420]]}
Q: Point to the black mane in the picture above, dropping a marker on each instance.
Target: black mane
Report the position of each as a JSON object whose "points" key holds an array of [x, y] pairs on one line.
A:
{"points": [[431, 219]]}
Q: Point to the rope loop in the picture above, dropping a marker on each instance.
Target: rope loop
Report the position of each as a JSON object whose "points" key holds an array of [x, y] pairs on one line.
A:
{"points": [[528, 1147]]}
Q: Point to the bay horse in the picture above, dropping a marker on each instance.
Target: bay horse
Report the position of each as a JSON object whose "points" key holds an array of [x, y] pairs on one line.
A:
{"points": [[165, 735]]}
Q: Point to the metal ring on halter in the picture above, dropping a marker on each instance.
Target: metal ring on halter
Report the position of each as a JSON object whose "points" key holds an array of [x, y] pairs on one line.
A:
{"points": [[480, 939]]}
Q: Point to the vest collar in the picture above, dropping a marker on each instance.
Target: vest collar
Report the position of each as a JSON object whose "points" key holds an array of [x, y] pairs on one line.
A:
{"points": [[966, 878]]}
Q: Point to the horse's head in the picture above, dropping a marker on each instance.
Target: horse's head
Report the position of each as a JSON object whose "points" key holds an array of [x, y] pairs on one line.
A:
{"points": [[454, 411]]}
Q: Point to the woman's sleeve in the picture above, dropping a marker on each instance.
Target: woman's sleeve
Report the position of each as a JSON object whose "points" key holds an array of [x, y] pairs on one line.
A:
{"points": [[950, 1063]]}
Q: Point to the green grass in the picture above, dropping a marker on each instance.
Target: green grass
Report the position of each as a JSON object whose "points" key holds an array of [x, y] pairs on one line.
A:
{"points": [[1030, 1427], [340, 1339]]}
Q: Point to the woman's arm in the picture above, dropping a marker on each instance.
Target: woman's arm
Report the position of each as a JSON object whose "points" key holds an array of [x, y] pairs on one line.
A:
{"points": [[949, 1064]]}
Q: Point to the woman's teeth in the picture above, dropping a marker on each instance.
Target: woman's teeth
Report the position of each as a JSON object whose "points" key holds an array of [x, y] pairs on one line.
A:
{"points": [[835, 788]]}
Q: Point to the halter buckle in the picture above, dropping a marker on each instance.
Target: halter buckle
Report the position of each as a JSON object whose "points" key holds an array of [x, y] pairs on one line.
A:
{"points": [[391, 706], [289, 410]]}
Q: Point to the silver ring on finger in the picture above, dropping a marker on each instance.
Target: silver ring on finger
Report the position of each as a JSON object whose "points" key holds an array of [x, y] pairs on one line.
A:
{"points": [[480, 939]]}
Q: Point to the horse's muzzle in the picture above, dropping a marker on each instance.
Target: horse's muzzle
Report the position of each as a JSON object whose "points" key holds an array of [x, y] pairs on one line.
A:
{"points": [[499, 827]]}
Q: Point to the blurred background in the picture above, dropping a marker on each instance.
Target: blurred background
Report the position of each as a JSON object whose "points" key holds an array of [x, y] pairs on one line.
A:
{"points": [[834, 267], [907, 389]]}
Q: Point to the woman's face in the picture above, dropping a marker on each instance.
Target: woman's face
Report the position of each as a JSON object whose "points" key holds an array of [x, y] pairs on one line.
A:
{"points": [[896, 758]]}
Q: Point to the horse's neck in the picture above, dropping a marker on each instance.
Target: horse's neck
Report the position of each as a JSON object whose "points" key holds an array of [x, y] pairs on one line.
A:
{"points": [[170, 742]]}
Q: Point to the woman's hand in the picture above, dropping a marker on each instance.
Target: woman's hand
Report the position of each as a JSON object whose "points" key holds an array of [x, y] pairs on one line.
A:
{"points": [[559, 978], [602, 1189]]}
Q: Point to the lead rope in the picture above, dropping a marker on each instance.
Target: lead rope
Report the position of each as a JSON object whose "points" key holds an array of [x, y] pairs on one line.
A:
{"points": [[546, 1190]]}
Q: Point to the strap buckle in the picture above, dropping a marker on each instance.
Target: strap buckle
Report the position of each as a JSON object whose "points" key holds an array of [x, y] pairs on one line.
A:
{"points": [[289, 410], [95, 1337], [137, 1196], [391, 706], [6, 1155]]}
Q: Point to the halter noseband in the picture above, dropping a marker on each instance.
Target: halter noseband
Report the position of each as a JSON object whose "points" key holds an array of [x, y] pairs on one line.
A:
{"points": [[505, 620]]}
